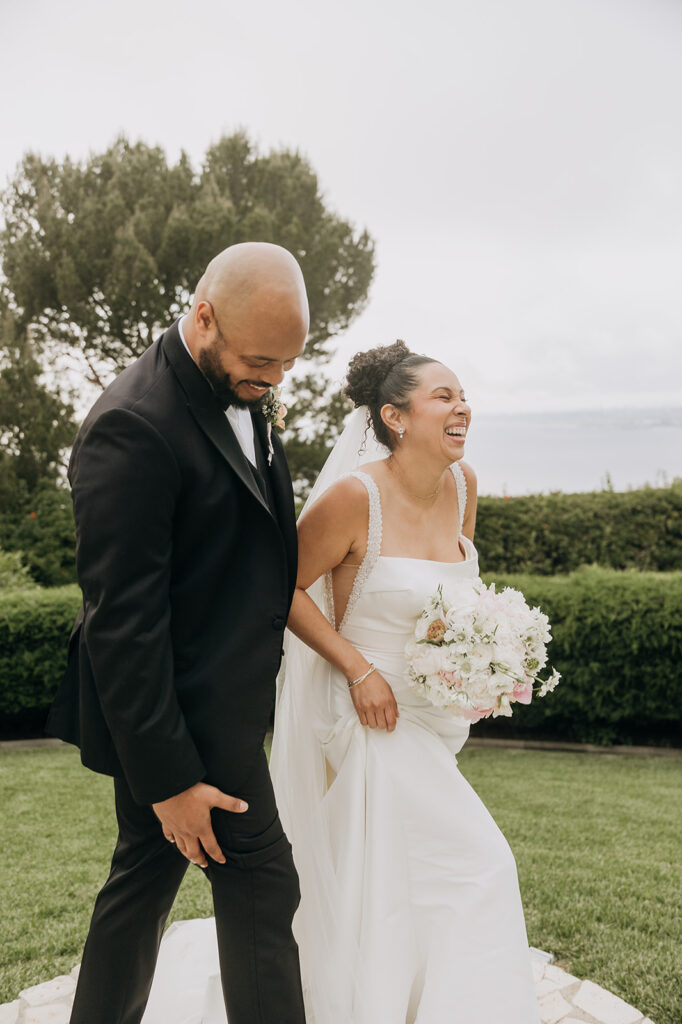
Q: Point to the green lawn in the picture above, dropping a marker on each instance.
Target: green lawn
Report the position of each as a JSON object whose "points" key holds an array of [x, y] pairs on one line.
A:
{"points": [[596, 838]]}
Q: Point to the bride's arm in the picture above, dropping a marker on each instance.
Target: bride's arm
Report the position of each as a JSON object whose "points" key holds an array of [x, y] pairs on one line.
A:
{"points": [[328, 533]]}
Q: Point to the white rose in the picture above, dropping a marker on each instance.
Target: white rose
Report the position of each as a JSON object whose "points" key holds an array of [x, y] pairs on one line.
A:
{"points": [[427, 660]]}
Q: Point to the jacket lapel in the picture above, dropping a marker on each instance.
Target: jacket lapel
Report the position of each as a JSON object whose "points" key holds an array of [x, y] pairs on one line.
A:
{"points": [[207, 412]]}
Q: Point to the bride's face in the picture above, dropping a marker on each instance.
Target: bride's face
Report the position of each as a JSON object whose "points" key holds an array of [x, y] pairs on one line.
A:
{"points": [[439, 417]]}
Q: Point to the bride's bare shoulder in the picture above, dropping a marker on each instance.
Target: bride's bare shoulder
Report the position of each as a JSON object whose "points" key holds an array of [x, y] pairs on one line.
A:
{"points": [[345, 500]]}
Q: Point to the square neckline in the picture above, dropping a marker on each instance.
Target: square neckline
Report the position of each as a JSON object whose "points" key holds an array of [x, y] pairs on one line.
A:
{"points": [[434, 561]]}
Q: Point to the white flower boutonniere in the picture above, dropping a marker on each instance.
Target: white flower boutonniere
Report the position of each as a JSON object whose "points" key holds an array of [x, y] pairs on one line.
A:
{"points": [[274, 411]]}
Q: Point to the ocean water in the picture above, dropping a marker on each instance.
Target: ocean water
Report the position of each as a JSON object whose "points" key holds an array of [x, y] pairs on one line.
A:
{"points": [[575, 451]]}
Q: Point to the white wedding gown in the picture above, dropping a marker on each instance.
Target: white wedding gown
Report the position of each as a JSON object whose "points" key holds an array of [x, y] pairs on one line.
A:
{"points": [[429, 883]]}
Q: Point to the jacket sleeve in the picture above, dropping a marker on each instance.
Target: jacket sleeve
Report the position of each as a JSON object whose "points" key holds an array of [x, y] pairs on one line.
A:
{"points": [[125, 483]]}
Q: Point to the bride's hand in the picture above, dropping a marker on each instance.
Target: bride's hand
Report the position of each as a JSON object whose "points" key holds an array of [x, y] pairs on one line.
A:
{"points": [[374, 702]]}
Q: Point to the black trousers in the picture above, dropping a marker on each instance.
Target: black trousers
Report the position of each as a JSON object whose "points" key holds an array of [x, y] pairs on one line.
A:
{"points": [[255, 895]]}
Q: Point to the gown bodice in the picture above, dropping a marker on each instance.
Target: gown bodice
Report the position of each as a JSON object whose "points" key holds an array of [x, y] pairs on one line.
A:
{"points": [[386, 600], [394, 594]]}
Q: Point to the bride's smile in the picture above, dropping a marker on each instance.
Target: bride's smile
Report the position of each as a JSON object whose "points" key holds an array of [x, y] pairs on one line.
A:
{"points": [[429, 434]]}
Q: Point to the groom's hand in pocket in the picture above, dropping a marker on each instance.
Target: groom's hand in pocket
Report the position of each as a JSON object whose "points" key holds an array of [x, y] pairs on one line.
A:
{"points": [[186, 821], [375, 703]]}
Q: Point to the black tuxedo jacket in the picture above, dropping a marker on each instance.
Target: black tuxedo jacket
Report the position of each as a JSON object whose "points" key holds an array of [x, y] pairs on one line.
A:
{"points": [[187, 574]]}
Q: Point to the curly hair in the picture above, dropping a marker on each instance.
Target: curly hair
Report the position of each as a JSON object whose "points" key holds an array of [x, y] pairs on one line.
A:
{"points": [[383, 376]]}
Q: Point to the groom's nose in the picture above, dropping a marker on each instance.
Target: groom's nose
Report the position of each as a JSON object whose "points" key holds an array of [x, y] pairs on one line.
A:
{"points": [[274, 374]]}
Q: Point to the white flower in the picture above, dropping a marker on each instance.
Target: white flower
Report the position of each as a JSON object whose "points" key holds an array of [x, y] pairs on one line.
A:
{"points": [[550, 684], [428, 660], [504, 708]]}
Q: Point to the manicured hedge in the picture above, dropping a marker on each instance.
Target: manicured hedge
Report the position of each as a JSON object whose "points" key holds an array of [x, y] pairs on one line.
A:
{"points": [[617, 642], [34, 629], [555, 533], [618, 645]]}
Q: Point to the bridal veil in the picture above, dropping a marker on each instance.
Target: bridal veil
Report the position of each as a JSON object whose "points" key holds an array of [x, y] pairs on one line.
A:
{"points": [[327, 942]]}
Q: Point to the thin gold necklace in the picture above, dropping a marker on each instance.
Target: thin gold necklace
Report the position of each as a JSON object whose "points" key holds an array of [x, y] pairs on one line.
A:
{"points": [[420, 497]]}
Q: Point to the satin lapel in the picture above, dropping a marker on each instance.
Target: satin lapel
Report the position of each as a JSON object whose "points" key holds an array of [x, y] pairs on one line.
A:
{"points": [[280, 481], [207, 412]]}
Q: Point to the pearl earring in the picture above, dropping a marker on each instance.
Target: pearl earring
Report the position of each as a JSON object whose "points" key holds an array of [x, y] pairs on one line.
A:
{"points": [[401, 433]]}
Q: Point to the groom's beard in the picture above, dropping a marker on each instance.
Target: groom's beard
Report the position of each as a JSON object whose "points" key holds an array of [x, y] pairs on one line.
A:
{"points": [[210, 366]]}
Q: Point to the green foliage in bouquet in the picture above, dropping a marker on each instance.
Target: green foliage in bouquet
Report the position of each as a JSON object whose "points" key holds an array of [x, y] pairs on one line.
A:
{"points": [[555, 533], [618, 646]]}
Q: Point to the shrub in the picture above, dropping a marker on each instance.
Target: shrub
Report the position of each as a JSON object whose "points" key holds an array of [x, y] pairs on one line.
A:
{"points": [[34, 629], [555, 533], [13, 573], [46, 536], [618, 645]]}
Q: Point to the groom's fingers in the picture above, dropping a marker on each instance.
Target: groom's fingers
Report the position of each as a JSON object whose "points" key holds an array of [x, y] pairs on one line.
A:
{"points": [[210, 845], [184, 849], [195, 853], [228, 803]]}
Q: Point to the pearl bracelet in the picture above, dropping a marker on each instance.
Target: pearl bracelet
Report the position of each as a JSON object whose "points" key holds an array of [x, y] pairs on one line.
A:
{"points": [[362, 678]]}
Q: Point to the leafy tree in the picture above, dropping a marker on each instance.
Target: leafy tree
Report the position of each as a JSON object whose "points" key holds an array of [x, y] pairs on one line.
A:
{"points": [[36, 425], [36, 428], [100, 255]]}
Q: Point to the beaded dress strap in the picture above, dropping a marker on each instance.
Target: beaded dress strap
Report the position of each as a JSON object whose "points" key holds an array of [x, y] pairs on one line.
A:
{"points": [[460, 480], [374, 535]]}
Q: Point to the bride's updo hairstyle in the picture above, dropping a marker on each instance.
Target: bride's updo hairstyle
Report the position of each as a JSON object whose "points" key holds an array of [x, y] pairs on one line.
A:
{"points": [[383, 376]]}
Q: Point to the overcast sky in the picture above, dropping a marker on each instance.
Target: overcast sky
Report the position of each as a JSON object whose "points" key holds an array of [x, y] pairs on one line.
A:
{"points": [[519, 162]]}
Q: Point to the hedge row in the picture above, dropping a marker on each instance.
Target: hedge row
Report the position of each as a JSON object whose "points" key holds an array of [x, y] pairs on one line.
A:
{"points": [[540, 534], [617, 643], [555, 533], [34, 629]]}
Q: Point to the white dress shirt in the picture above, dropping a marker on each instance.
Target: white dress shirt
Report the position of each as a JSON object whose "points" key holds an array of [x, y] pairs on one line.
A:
{"points": [[239, 419]]}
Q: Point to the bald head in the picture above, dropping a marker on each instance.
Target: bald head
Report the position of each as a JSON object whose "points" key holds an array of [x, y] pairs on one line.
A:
{"points": [[252, 278], [249, 319]]}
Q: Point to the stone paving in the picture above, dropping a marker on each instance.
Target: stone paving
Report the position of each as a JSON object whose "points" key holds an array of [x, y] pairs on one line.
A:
{"points": [[562, 999]]}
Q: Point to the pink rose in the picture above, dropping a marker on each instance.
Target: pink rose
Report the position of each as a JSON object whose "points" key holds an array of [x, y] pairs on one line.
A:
{"points": [[523, 692], [453, 680], [475, 715]]}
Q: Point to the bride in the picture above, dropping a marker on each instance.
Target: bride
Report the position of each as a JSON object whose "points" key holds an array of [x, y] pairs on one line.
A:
{"points": [[410, 910]]}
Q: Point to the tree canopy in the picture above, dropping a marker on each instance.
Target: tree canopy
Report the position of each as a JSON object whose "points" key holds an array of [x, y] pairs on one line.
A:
{"points": [[99, 256], [36, 425], [102, 255]]}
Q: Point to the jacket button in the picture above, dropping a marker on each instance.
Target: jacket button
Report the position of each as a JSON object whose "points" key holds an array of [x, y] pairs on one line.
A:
{"points": [[277, 623]]}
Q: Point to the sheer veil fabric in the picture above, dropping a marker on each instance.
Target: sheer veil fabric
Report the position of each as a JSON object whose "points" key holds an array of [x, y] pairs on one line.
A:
{"points": [[323, 925]]}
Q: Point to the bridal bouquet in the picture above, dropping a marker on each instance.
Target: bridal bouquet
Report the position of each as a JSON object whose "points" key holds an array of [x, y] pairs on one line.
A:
{"points": [[477, 655]]}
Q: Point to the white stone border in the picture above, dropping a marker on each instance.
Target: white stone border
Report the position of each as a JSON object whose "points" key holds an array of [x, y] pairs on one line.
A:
{"points": [[562, 999]]}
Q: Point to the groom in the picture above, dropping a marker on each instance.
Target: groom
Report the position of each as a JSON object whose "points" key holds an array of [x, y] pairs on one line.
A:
{"points": [[186, 556]]}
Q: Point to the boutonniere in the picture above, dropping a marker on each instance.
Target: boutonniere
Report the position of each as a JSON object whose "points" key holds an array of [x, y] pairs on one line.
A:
{"points": [[274, 411]]}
